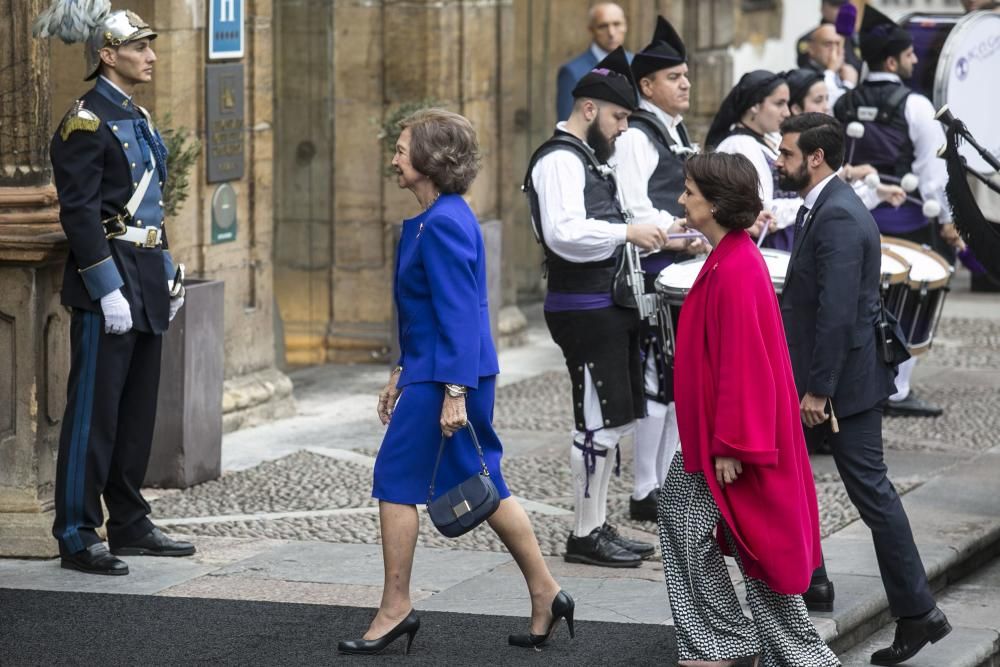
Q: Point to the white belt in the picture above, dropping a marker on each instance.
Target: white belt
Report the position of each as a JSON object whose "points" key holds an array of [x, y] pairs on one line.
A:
{"points": [[147, 237]]}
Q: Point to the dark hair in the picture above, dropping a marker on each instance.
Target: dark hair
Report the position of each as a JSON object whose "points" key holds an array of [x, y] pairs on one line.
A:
{"points": [[729, 181], [443, 147], [818, 131]]}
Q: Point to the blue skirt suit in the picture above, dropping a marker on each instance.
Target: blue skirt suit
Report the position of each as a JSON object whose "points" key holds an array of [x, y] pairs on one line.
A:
{"points": [[444, 334]]}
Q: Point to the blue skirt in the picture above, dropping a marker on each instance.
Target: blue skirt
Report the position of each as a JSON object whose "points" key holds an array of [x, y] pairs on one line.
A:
{"points": [[405, 460]]}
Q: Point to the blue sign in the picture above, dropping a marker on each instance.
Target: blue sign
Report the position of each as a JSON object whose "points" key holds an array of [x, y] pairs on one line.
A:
{"points": [[225, 29]]}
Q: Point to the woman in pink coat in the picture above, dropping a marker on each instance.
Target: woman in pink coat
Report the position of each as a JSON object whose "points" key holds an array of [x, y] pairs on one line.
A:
{"points": [[741, 484]]}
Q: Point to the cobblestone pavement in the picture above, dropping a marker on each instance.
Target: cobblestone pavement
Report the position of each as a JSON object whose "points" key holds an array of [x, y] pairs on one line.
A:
{"points": [[331, 496]]}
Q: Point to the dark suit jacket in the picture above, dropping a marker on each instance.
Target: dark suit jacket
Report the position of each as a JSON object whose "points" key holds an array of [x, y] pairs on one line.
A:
{"points": [[830, 304], [569, 74]]}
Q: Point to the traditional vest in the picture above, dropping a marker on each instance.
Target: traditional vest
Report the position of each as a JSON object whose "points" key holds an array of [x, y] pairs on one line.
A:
{"points": [[886, 145], [879, 106], [601, 202]]}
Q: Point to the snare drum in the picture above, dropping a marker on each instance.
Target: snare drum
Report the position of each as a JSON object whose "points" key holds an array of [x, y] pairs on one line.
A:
{"points": [[895, 271], [926, 287], [675, 281]]}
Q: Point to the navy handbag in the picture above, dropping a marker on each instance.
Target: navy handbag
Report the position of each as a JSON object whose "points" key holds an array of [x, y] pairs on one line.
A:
{"points": [[461, 508]]}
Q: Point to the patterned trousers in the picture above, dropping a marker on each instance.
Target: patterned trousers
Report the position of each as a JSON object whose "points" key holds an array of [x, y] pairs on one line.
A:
{"points": [[709, 622]]}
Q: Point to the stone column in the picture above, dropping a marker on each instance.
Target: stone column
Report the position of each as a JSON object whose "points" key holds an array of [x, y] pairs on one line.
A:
{"points": [[34, 328]]}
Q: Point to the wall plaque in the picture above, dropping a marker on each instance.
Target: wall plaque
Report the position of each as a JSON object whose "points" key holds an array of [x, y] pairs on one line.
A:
{"points": [[225, 127]]}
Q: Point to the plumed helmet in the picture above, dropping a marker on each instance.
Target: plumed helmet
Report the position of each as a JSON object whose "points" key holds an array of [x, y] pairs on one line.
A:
{"points": [[93, 23]]}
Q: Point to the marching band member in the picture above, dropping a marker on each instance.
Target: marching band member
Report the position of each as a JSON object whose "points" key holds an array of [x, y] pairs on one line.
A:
{"points": [[109, 164], [649, 161], [747, 123], [900, 137], [582, 228]]}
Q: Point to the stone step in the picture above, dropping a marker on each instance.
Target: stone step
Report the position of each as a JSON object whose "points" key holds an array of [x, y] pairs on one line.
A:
{"points": [[973, 607], [956, 522]]}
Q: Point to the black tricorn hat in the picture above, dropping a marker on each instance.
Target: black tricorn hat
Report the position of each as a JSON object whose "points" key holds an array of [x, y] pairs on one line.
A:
{"points": [[881, 37], [666, 50], [611, 81]]}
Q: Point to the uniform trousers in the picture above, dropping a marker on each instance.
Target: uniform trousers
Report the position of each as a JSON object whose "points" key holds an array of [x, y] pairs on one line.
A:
{"points": [[709, 623], [107, 433]]}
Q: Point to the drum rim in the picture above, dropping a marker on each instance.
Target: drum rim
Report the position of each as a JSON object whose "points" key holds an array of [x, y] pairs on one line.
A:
{"points": [[896, 278], [948, 51], [931, 254]]}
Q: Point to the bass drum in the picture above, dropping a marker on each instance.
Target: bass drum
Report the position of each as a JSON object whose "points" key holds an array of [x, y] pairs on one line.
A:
{"points": [[958, 59]]}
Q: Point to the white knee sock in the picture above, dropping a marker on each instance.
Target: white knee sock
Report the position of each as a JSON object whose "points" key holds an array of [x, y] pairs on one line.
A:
{"points": [[903, 379], [668, 445], [649, 432], [588, 512]]}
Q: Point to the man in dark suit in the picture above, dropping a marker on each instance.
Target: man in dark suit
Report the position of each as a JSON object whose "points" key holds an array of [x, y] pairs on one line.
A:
{"points": [[109, 164], [608, 28], [830, 304]]}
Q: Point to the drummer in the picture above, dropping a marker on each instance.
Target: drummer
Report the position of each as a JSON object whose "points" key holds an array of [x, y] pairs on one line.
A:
{"points": [[903, 139], [649, 158]]}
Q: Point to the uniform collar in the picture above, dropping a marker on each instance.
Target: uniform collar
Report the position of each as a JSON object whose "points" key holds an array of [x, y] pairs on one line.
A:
{"points": [[877, 77], [113, 93], [670, 121]]}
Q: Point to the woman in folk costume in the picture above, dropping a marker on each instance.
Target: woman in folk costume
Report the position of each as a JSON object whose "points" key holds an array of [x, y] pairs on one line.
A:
{"points": [[742, 483]]}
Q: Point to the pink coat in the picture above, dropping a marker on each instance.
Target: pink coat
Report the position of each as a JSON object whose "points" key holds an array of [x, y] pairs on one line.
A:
{"points": [[736, 397]]}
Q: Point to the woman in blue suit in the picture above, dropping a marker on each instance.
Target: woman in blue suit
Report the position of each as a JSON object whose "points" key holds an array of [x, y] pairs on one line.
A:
{"points": [[445, 379]]}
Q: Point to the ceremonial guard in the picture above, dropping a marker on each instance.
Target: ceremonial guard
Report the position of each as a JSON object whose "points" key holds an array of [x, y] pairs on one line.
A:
{"points": [[583, 230], [649, 162], [900, 137], [109, 164]]}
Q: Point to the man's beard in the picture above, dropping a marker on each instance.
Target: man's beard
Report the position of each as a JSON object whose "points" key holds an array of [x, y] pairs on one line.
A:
{"points": [[603, 147], [794, 182]]}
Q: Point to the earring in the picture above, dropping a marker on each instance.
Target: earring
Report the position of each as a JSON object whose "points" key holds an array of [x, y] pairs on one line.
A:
{"points": [[714, 211]]}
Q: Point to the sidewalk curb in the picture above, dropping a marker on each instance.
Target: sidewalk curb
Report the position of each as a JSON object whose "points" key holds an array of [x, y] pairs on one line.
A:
{"points": [[956, 520]]}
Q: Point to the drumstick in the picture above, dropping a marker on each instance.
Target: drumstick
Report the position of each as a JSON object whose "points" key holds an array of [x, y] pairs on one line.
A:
{"points": [[763, 232], [686, 235]]}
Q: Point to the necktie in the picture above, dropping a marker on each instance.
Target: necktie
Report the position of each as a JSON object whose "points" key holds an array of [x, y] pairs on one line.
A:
{"points": [[800, 221]]}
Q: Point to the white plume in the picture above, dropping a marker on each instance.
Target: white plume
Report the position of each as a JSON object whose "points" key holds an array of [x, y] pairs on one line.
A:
{"points": [[71, 20]]}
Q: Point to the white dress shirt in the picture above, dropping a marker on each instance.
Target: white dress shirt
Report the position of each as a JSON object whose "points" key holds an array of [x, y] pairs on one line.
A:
{"points": [[558, 179], [635, 160], [927, 136], [810, 199]]}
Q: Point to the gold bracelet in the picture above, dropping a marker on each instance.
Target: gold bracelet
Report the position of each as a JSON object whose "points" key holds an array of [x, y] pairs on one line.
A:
{"points": [[456, 390]]}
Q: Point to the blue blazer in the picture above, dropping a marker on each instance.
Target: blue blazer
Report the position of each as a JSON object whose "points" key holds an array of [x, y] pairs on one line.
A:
{"points": [[830, 304], [441, 298], [569, 74]]}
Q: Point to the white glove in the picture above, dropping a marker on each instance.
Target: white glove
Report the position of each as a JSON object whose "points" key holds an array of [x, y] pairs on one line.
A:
{"points": [[175, 305], [117, 313]]}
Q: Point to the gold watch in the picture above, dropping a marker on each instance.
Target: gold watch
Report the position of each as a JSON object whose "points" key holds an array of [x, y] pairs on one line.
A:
{"points": [[456, 390]]}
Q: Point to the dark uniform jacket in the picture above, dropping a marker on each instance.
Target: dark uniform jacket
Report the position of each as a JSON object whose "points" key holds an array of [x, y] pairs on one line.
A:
{"points": [[99, 155]]}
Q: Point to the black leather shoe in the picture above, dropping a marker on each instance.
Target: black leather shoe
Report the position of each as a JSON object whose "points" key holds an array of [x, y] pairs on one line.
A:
{"points": [[819, 597], [645, 509], [562, 607], [912, 634], [597, 548], [408, 626], [911, 406], [641, 549], [155, 543], [95, 559]]}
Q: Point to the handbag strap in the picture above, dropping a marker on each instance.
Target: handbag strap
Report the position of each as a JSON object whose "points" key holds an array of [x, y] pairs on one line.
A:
{"points": [[479, 450]]}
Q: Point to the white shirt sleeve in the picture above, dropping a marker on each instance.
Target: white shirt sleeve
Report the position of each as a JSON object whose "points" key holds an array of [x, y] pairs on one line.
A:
{"points": [[784, 210], [558, 179], [927, 136], [635, 160], [867, 194]]}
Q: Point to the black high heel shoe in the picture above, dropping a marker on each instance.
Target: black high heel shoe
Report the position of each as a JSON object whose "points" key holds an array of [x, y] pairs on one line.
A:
{"points": [[562, 607], [408, 626]]}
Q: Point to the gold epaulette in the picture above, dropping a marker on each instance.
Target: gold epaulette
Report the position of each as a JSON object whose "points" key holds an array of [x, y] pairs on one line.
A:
{"points": [[78, 118]]}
